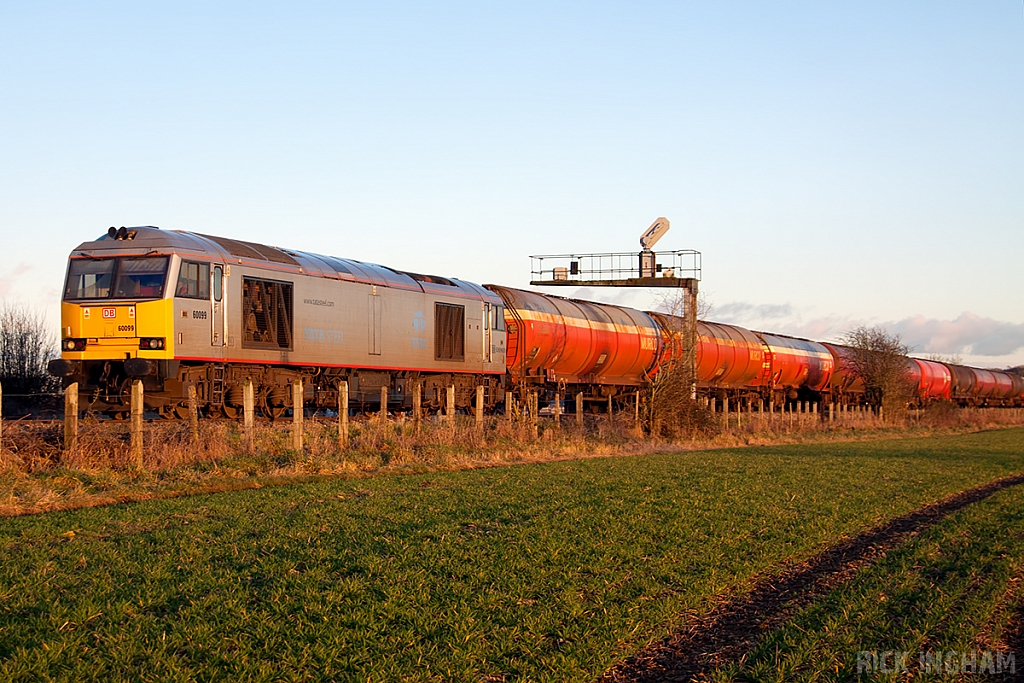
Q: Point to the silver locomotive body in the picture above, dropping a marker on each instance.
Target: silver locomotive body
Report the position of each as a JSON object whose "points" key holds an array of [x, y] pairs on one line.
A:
{"points": [[212, 312]]}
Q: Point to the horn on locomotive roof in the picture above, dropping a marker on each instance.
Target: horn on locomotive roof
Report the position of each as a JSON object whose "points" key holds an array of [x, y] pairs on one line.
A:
{"points": [[122, 234]]}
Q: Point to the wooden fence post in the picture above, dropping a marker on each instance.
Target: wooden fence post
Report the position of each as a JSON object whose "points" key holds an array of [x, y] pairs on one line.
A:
{"points": [[450, 407], [343, 414], [383, 404], [558, 408], [136, 426], [508, 406], [579, 409], [417, 403], [636, 410], [534, 407], [480, 407], [298, 407], [248, 414], [71, 417], [611, 412], [193, 415]]}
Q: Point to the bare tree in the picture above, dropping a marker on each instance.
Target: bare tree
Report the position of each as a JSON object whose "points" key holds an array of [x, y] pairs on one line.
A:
{"points": [[880, 359], [671, 409], [27, 343]]}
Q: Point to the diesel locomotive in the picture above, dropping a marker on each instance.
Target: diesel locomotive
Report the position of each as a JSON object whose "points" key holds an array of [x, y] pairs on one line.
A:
{"points": [[179, 309]]}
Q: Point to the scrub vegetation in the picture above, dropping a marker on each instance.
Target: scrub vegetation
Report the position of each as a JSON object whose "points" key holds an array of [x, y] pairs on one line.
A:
{"points": [[543, 572], [37, 475]]}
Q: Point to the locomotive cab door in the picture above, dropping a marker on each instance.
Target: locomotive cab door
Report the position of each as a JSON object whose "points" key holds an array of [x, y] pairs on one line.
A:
{"points": [[218, 302], [489, 312]]}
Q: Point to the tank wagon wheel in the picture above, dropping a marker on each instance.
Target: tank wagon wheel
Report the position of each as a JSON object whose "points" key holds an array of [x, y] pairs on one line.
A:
{"points": [[117, 415], [231, 412], [181, 411], [275, 412]]}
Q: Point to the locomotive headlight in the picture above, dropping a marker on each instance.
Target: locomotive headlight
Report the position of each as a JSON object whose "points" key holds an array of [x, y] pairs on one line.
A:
{"points": [[152, 343]]}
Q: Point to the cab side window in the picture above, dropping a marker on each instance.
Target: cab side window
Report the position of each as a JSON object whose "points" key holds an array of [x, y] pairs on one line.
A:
{"points": [[218, 280], [193, 281]]}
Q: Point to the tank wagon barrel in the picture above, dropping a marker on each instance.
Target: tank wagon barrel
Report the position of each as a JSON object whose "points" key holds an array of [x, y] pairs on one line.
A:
{"points": [[599, 349]]}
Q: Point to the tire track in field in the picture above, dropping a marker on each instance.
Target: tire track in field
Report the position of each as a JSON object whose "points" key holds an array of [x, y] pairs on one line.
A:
{"points": [[731, 628], [1013, 639]]}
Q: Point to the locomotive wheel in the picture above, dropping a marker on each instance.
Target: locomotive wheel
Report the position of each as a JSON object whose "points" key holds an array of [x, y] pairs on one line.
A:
{"points": [[269, 411]]}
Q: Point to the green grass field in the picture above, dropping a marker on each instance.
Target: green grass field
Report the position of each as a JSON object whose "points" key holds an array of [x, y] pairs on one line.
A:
{"points": [[941, 591], [546, 572]]}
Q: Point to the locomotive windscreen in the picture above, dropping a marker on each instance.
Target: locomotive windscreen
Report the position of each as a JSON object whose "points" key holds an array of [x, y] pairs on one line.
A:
{"points": [[135, 278]]}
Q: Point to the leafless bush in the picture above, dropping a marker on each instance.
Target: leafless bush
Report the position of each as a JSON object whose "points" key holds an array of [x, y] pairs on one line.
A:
{"points": [[26, 345], [880, 359], [670, 407]]}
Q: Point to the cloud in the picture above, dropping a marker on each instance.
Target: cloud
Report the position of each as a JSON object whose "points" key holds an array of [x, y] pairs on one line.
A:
{"points": [[7, 281], [967, 334], [741, 310]]}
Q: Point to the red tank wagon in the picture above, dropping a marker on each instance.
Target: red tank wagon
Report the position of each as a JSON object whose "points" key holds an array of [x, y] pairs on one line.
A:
{"points": [[571, 342], [933, 380], [797, 364]]}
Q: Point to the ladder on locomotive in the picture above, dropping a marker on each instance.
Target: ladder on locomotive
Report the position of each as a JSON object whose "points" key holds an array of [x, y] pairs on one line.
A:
{"points": [[217, 385]]}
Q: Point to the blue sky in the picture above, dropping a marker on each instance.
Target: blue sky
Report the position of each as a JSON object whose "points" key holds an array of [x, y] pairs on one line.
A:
{"points": [[836, 163]]}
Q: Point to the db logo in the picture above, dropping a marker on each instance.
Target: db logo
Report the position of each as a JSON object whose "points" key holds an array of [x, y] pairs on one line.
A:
{"points": [[109, 312]]}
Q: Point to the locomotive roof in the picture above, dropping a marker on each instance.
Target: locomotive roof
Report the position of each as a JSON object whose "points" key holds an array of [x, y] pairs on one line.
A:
{"points": [[149, 239]]}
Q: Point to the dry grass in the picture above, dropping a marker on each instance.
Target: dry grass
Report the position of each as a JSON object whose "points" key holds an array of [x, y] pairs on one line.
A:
{"points": [[36, 475]]}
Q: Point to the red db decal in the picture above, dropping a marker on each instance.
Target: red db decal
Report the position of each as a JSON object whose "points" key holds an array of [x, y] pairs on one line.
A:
{"points": [[109, 312]]}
